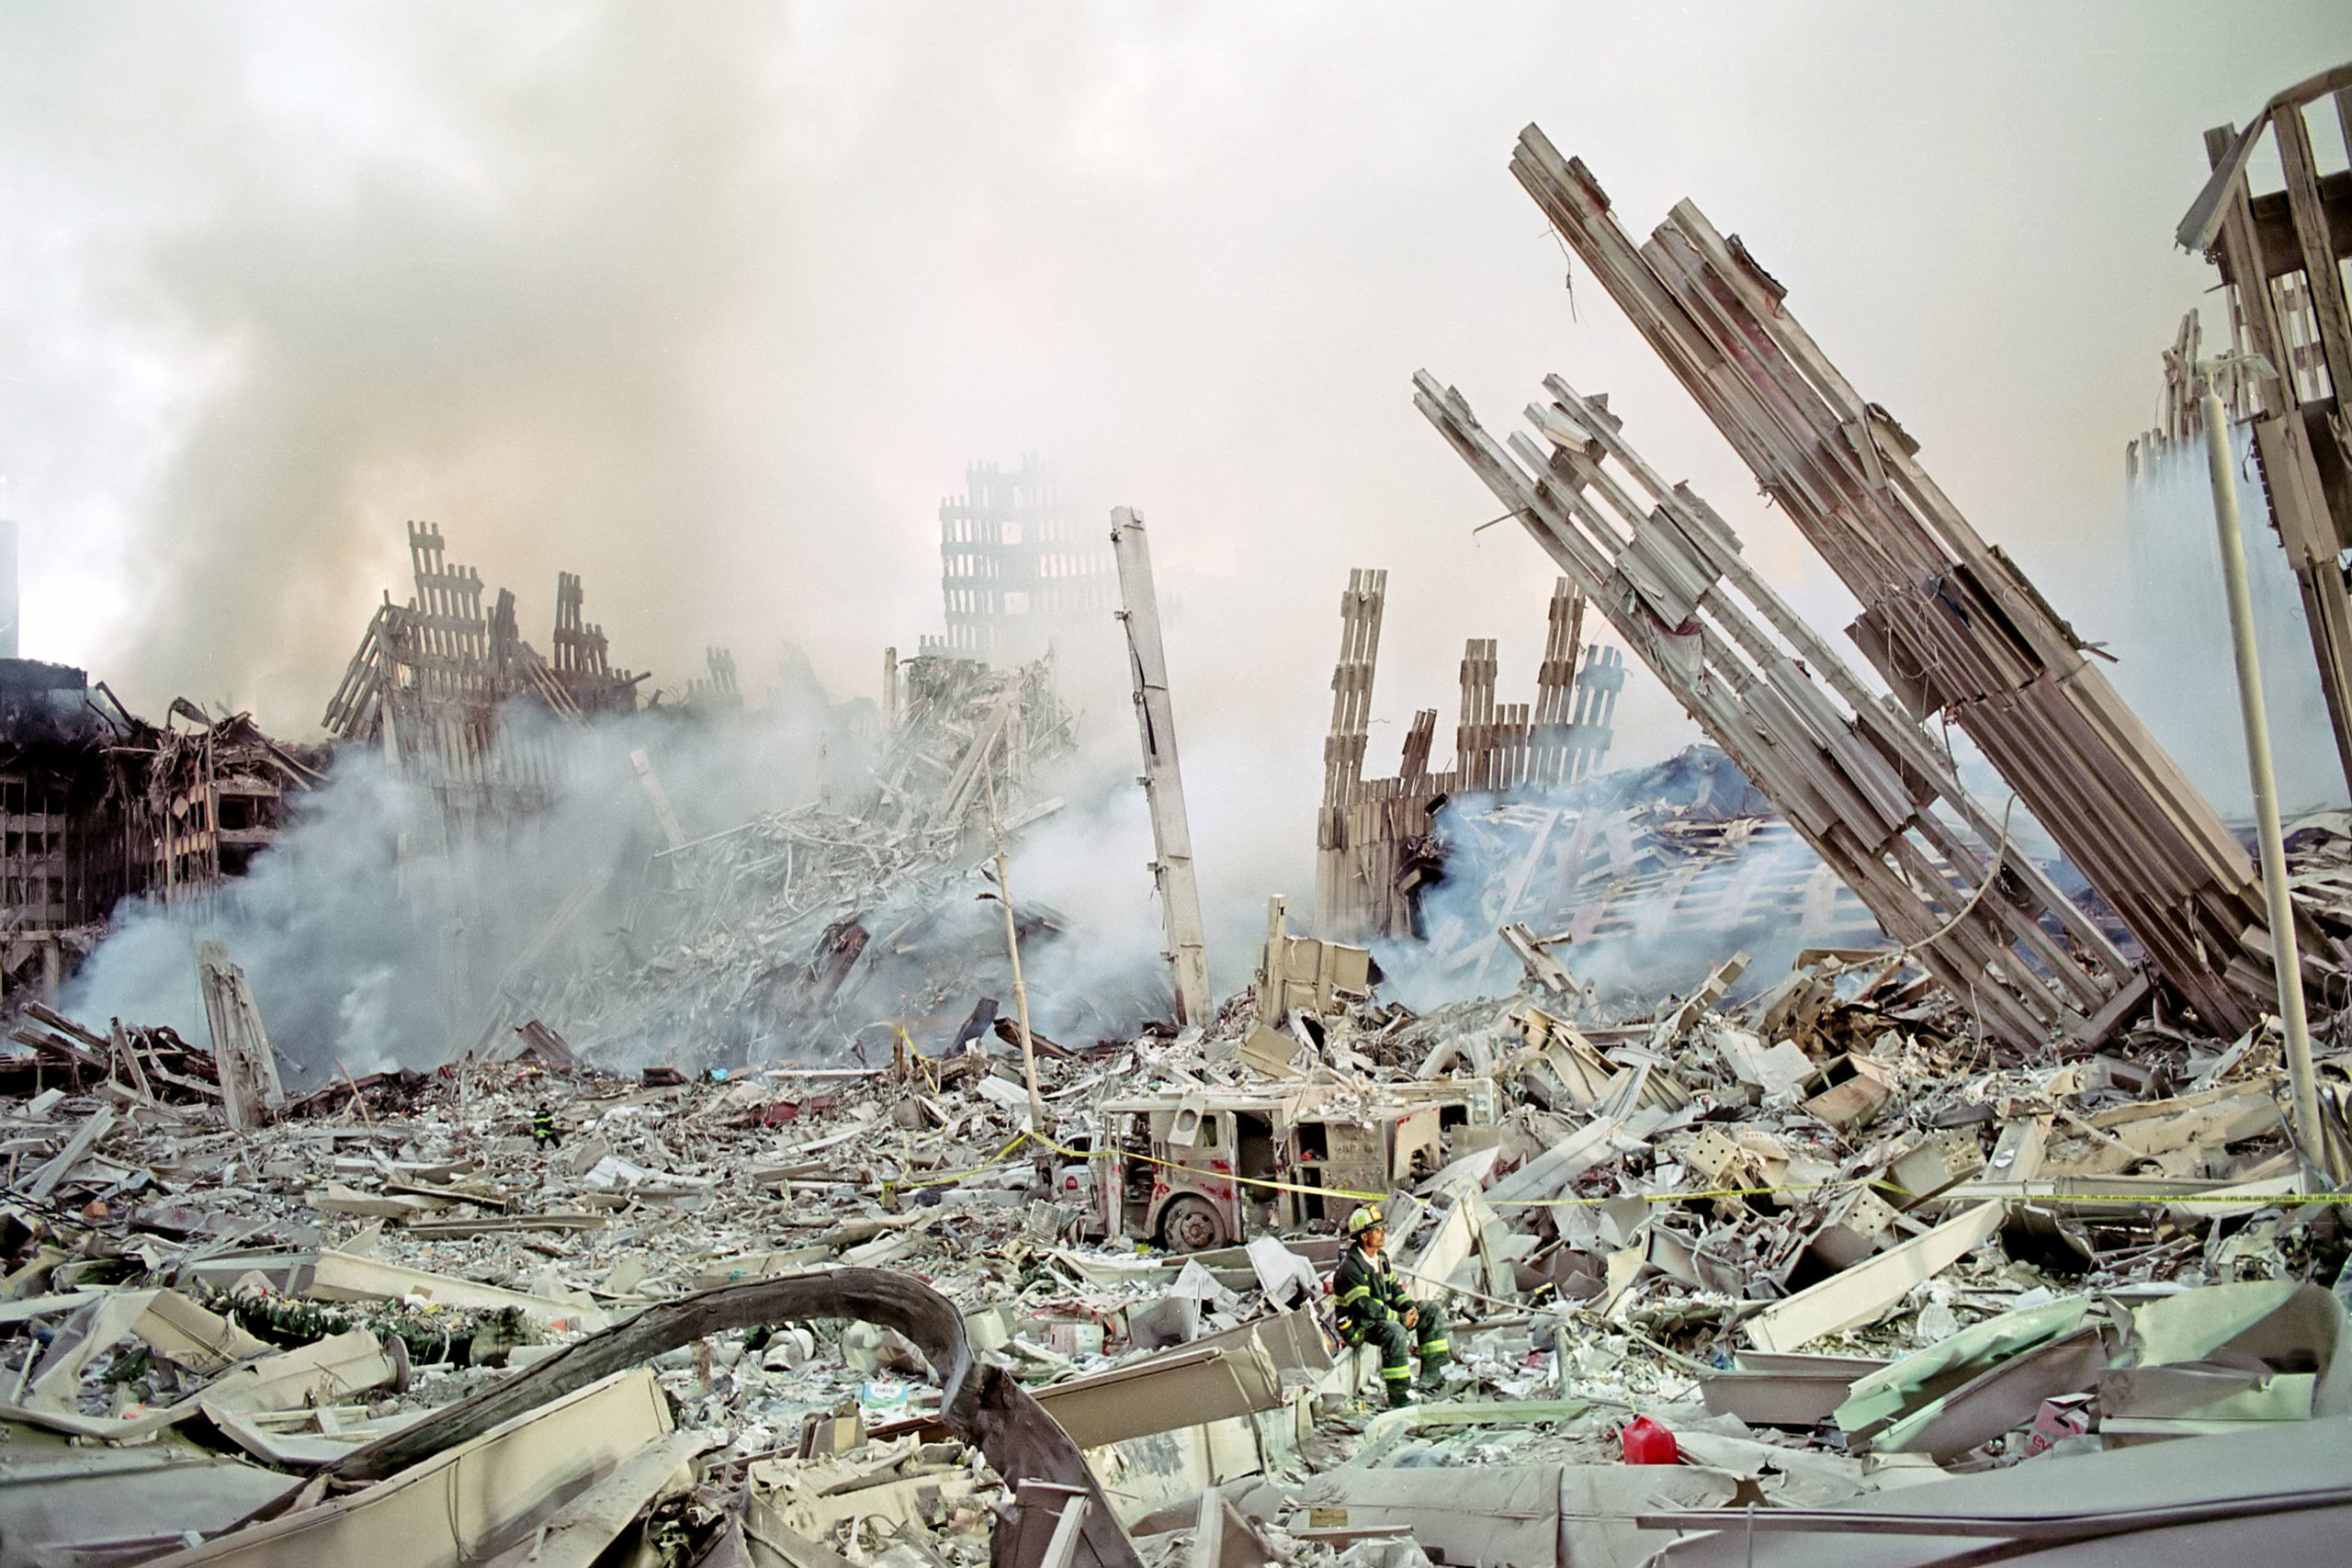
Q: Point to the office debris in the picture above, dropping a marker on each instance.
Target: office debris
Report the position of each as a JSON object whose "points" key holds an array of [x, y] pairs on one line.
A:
{"points": [[1631, 1211]]}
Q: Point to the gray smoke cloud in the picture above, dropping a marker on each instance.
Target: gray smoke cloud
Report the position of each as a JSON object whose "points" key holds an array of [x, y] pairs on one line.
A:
{"points": [[372, 939], [1671, 916], [410, 264]]}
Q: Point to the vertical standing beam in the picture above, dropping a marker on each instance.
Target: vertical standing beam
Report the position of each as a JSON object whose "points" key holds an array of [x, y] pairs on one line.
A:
{"points": [[889, 691], [1273, 966], [1163, 781], [2286, 962], [1419, 740], [1012, 955], [1556, 684], [1343, 903], [1474, 737], [658, 797]]}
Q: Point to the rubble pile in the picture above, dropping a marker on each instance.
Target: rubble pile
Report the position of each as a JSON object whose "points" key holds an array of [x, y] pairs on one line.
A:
{"points": [[837, 920], [1831, 1239]]}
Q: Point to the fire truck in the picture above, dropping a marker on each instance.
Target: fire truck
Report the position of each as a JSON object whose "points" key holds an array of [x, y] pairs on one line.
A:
{"points": [[1193, 1172]]}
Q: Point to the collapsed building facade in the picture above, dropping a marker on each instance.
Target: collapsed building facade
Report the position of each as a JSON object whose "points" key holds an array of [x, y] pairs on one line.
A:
{"points": [[99, 806], [1373, 836], [1986, 1240], [438, 683], [1949, 621]]}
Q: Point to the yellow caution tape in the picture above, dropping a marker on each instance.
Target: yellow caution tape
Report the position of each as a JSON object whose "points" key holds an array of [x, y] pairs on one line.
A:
{"points": [[1209, 1175], [948, 1178], [1003, 1154]]}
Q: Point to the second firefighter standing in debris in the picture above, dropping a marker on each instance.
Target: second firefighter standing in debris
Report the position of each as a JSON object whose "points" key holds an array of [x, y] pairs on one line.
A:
{"points": [[1374, 1309], [543, 1133]]}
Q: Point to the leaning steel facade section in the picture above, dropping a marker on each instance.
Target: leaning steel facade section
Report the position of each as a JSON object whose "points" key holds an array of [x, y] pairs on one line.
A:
{"points": [[1948, 620], [1859, 779]]}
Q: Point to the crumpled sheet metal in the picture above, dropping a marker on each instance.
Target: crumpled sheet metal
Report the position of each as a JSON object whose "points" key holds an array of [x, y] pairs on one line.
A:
{"points": [[982, 1405], [1990, 1378], [2275, 1494]]}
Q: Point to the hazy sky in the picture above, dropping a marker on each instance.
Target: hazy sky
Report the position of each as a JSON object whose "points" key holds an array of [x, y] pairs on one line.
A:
{"points": [[712, 305]]}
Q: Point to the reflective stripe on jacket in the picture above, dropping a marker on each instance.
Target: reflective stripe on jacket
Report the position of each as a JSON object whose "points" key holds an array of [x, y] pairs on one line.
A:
{"points": [[1365, 1291]]}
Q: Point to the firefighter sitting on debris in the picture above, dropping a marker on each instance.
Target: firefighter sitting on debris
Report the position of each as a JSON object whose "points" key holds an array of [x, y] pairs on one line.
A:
{"points": [[543, 1131], [1374, 1310]]}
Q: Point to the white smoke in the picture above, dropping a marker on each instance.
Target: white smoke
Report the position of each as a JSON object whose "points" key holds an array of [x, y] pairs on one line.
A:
{"points": [[372, 939], [2176, 668], [1771, 898]]}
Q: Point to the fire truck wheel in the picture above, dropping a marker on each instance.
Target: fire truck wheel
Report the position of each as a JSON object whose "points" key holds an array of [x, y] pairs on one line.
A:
{"points": [[1189, 1224]]}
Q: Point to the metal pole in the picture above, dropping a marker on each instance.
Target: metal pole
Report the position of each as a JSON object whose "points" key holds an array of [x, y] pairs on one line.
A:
{"points": [[1163, 781], [1012, 950], [2285, 958]]}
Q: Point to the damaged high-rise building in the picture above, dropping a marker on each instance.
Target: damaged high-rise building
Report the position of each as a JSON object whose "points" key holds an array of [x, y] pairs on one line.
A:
{"points": [[1020, 563], [99, 806]]}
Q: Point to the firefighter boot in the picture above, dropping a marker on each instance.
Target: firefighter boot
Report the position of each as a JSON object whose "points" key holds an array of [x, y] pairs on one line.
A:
{"points": [[1436, 1350]]}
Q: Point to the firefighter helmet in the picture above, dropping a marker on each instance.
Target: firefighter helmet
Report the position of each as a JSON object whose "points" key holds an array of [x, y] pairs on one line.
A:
{"points": [[1364, 1218]]}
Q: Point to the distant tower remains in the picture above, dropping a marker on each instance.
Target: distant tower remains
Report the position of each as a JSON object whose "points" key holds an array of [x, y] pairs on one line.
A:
{"points": [[7, 589], [1018, 564]]}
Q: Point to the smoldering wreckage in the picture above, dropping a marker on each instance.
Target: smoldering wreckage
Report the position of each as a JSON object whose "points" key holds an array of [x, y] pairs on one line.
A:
{"points": [[1945, 1206]]}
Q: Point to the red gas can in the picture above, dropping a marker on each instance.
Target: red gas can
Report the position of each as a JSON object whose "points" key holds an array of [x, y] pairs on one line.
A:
{"points": [[1647, 1442]]}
